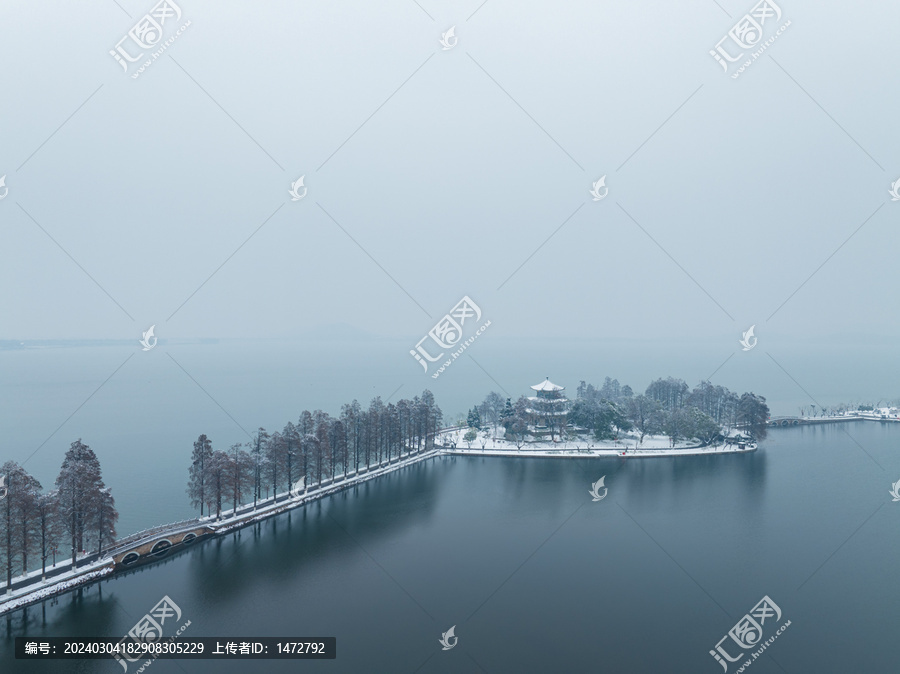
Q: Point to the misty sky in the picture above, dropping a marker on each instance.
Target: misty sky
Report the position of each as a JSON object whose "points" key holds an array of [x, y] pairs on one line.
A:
{"points": [[434, 174]]}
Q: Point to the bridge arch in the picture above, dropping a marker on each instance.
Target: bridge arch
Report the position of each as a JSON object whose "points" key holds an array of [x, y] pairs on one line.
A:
{"points": [[131, 558], [161, 547]]}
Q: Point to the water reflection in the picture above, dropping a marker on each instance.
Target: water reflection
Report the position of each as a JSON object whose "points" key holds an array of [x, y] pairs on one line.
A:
{"points": [[315, 536], [522, 538]]}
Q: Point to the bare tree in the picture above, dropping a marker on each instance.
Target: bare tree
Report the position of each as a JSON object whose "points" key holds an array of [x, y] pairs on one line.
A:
{"points": [[80, 487], [216, 480], [25, 508], [104, 517], [18, 516], [196, 482], [256, 450], [291, 442], [48, 526], [239, 472], [275, 459]]}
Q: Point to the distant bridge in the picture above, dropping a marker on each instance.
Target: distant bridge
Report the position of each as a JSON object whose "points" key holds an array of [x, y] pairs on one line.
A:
{"points": [[802, 421]]}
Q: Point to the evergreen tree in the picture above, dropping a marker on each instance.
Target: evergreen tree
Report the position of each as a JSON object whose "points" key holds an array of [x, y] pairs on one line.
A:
{"points": [[474, 419], [753, 414], [506, 416]]}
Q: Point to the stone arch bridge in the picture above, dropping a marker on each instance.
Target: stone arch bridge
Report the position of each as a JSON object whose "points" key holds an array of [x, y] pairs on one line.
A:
{"points": [[152, 544]]}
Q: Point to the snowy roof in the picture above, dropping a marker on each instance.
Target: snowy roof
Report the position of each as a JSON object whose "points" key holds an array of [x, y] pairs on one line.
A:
{"points": [[549, 401], [547, 385], [547, 413]]}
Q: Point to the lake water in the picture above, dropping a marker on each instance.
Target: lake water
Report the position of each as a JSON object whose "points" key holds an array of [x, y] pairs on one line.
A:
{"points": [[141, 411], [537, 577]]}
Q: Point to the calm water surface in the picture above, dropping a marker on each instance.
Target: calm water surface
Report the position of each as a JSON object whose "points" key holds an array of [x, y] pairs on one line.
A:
{"points": [[537, 577], [141, 412]]}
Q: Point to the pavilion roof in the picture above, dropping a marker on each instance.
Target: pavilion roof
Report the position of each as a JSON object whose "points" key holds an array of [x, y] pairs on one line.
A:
{"points": [[547, 385]]}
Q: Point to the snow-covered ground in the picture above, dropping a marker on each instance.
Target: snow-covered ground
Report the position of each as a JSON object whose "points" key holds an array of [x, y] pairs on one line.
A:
{"points": [[877, 414], [526, 452], [486, 444], [37, 572], [492, 441], [64, 581]]}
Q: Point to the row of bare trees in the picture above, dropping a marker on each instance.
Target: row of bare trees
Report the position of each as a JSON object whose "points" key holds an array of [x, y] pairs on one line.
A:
{"points": [[80, 511], [317, 449]]}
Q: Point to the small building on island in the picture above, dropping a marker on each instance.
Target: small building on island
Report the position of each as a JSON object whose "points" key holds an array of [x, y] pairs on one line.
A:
{"points": [[549, 409]]}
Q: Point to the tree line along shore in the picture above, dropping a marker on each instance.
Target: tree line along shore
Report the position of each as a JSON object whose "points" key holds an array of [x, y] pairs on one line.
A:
{"points": [[79, 514], [667, 407]]}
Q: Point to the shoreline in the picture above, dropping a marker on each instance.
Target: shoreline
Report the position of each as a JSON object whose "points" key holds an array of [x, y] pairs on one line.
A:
{"points": [[600, 453], [106, 568]]}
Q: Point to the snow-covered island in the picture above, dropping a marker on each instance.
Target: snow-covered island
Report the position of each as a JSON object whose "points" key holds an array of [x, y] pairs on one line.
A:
{"points": [[667, 420]]}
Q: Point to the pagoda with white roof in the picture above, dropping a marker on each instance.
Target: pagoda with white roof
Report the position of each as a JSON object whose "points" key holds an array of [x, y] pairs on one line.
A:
{"points": [[549, 408]]}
